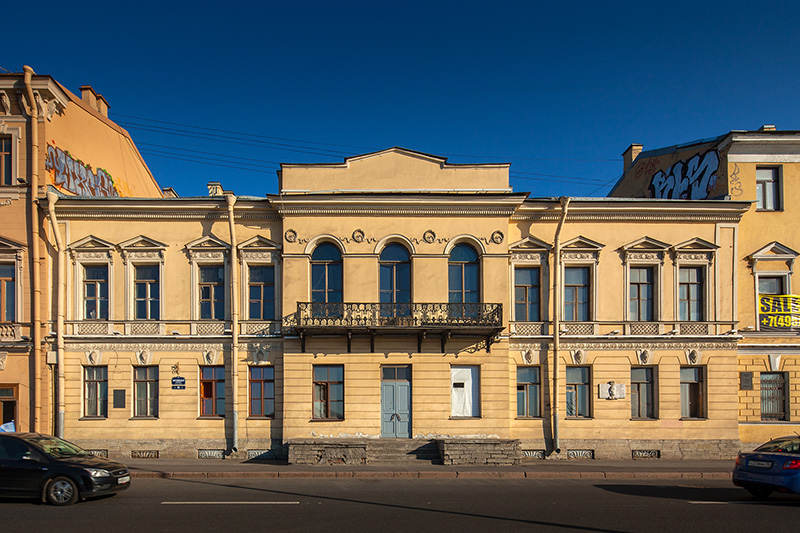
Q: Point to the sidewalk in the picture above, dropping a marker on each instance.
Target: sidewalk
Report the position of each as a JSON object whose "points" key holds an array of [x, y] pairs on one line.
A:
{"points": [[554, 469]]}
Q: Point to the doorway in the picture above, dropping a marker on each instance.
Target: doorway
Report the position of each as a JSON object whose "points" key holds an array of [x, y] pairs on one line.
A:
{"points": [[396, 401]]}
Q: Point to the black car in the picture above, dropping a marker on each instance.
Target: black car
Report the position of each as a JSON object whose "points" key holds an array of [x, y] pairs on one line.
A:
{"points": [[59, 472]]}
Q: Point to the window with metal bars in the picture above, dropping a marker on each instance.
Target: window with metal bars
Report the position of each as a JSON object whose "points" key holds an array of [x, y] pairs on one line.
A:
{"points": [[774, 396]]}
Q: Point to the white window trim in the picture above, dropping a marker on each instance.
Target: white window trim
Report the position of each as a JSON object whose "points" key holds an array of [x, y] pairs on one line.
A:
{"points": [[150, 253], [708, 285], [778, 200], [91, 256], [11, 252], [531, 259], [14, 133], [208, 251], [567, 262], [248, 259], [639, 259]]}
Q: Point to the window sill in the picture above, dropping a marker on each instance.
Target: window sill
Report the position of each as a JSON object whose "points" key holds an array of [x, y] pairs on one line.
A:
{"points": [[700, 418], [770, 422], [211, 417], [93, 418], [327, 420], [465, 418], [579, 418], [529, 418], [260, 417], [644, 419], [143, 418]]}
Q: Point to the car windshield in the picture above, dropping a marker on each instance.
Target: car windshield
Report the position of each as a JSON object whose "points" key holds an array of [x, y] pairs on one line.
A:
{"points": [[790, 445], [55, 447]]}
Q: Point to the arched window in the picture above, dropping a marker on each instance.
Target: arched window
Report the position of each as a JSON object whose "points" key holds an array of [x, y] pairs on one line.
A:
{"points": [[463, 275], [395, 281], [326, 279]]}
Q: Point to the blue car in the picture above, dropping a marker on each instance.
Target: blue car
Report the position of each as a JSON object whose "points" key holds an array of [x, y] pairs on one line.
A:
{"points": [[774, 466]]}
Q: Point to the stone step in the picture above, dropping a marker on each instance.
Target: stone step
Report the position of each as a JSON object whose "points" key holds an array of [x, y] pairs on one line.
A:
{"points": [[402, 451]]}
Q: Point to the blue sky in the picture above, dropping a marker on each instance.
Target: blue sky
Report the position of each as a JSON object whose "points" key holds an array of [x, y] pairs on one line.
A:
{"points": [[559, 91]]}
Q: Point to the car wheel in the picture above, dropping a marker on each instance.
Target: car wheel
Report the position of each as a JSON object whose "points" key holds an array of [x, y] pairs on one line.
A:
{"points": [[61, 491], [759, 492]]}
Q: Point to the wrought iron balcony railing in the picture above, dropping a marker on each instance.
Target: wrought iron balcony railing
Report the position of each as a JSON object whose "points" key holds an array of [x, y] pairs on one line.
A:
{"points": [[404, 315]]}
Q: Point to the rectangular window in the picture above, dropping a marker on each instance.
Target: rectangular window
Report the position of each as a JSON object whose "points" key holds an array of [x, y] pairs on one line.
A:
{"points": [[767, 189], [5, 160], [642, 281], [771, 285], [578, 392], [529, 388], [691, 291], [145, 391], [329, 392], [8, 405], [95, 384], [465, 398], [262, 391], [642, 393], [261, 293], [692, 393], [95, 292], [212, 292], [526, 294], [146, 292], [774, 396], [8, 299], [212, 391], [576, 294]]}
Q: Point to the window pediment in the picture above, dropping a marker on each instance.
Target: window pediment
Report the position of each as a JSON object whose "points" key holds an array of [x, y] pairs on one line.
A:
{"points": [[258, 249], [645, 249], [207, 248], [581, 248], [142, 248], [91, 248], [774, 251], [530, 249], [11, 249], [695, 249]]}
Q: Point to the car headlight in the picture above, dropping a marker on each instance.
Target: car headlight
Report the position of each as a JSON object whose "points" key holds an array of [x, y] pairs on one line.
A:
{"points": [[98, 472]]}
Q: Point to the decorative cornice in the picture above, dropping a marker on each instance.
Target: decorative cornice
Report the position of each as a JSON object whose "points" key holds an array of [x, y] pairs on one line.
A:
{"points": [[172, 346], [722, 344]]}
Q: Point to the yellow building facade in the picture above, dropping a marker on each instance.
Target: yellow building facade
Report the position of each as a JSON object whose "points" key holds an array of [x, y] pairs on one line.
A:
{"points": [[397, 299], [760, 167], [48, 137]]}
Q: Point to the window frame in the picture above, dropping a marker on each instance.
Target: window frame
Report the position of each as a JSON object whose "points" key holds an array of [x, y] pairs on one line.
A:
{"points": [[784, 397], [585, 387], [101, 409], [262, 398], [217, 383], [224, 286], [775, 183], [526, 390], [704, 290], [13, 134], [325, 384], [652, 393], [786, 282], [590, 292], [143, 251], [461, 265], [392, 266], [247, 266], [527, 290], [652, 308], [148, 298], [152, 384], [700, 396], [14, 388], [326, 310], [13, 283]]}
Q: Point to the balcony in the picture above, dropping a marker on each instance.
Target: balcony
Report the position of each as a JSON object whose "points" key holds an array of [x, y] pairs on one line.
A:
{"points": [[443, 319]]}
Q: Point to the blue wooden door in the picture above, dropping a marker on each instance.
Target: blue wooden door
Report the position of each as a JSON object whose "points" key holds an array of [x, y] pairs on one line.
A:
{"points": [[396, 402]]}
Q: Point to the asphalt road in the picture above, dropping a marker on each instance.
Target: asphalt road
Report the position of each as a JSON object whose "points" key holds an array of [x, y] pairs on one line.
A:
{"points": [[460, 505]]}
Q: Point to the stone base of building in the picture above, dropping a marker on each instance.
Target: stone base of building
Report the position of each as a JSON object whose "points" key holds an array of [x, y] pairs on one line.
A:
{"points": [[248, 449], [480, 451], [621, 449]]}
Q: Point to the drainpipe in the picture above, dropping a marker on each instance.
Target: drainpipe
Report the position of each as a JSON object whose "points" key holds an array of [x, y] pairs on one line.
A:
{"points": [[234, 322], [557, 320], [52, 198], [36, 321]]}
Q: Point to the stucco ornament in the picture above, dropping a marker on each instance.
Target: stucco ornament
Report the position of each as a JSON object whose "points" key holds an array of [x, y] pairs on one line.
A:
{"points": [[290, 235], [5, 103], [3, 356], [497, 237], [358, 235], [429, 236]]}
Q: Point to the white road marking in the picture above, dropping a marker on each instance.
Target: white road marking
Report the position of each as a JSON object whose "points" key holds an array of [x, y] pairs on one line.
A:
{"points": [[710, 503], [230, 503]]}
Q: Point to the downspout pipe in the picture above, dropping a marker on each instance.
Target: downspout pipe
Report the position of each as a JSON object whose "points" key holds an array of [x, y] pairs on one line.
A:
{"points": [[36, 287], [231, 199], [557, 309], [52, 198]]}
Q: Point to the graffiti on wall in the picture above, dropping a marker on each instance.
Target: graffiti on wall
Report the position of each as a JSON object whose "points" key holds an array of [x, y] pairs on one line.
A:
{"points": [[77, 177], [687, 180]]}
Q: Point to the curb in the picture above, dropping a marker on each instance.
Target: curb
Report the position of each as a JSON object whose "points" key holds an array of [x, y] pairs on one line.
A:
{"points": [[431, 474]]}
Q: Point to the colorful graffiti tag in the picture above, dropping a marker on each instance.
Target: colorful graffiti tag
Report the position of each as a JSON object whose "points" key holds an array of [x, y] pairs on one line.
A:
{"points": [[687, 180], [76, 176]]}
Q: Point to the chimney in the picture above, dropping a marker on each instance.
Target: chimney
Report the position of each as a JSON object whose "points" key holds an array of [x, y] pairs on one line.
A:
{"points": [[215, 188], [102, 105], [630, 155], [767, 127], [89, 96]]}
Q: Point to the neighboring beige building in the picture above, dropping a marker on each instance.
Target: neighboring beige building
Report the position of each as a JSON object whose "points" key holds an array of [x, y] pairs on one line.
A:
{"points": [[761, 167], [397, 299], [48, 136]]}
